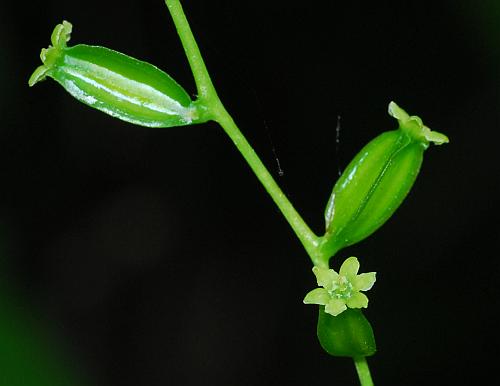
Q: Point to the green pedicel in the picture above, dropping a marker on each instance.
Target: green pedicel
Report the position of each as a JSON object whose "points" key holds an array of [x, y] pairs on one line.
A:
{"points": [[117, 84]]}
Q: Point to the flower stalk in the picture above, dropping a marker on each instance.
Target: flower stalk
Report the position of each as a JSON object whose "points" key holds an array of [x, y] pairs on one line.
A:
{"points": [[209, 100]]}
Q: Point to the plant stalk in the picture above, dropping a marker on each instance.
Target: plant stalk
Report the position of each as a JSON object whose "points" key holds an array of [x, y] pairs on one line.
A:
{"points": [[209, 100], [204, 85], [365, 378]]}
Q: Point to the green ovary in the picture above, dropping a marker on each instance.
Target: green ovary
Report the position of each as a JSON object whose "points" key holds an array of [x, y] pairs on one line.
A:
{"points": [[342, 289]]}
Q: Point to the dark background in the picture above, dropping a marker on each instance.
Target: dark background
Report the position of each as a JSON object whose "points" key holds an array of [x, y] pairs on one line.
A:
{"points": [[154, 257]]}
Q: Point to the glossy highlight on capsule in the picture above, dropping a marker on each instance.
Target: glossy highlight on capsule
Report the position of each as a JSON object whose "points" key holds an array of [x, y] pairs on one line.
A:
{"points": [[376, 181]]}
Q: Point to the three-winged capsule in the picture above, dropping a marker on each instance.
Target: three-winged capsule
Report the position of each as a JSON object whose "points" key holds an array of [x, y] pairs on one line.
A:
{"points": [[376, 181], [117, 84]]}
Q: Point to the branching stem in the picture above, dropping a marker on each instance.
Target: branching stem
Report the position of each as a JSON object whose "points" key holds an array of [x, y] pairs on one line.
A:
{"points": [[209, 101], [211, 105]]}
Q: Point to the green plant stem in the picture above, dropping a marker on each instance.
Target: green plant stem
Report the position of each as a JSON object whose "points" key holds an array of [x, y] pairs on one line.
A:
{"points": [[308, 239], [206, 89], [215, 110], [365, 378], [209, 101]]}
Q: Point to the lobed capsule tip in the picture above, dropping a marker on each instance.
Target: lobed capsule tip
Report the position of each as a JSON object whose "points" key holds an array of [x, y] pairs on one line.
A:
{"points": [[60, 35], [415, 127]]}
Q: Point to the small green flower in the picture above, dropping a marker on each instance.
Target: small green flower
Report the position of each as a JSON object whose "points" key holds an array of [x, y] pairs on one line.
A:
{"points": [[341, 290]]}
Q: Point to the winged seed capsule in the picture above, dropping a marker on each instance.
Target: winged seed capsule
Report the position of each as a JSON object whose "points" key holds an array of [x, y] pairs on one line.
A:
{"points": [[376, 182], [117, 84]]}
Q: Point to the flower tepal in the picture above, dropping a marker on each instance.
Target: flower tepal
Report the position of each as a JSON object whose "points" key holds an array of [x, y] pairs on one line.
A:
{"points": [[341, 290]]}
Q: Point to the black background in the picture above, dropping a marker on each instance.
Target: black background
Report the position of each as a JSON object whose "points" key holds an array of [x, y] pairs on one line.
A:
{"points": [[154, 257]]}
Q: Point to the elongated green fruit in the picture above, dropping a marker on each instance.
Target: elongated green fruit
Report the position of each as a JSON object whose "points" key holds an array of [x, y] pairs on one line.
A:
{"points": [[346, 335], [117, 84], [376, 182]]}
